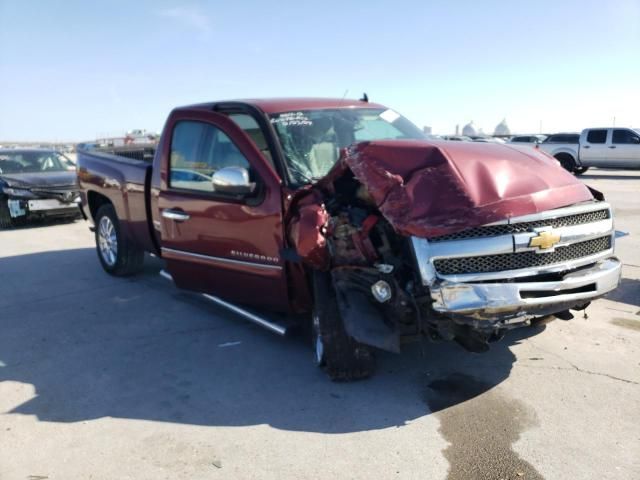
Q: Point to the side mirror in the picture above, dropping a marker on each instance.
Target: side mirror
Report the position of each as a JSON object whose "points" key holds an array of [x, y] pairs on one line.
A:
{"points": [[233, 180]]}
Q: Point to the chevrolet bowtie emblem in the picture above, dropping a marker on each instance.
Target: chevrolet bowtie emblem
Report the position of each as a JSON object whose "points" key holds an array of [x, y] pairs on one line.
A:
{"points": [[544, 240]]}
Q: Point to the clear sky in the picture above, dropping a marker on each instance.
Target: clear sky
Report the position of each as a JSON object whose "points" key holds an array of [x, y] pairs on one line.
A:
{"points": [[72, 70]]}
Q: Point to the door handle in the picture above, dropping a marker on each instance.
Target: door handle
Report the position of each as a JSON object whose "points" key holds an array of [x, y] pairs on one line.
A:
{"points": [[612, 146], [176, 215], [586, 146]]}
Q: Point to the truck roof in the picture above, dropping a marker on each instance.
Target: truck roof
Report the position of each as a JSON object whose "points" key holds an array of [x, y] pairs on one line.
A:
{"points": [[278, 105]]}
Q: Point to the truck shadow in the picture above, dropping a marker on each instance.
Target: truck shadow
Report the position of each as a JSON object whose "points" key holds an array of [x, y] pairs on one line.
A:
{"points": [[610, 176], [94, 346], [627, 292], [42, 222]]}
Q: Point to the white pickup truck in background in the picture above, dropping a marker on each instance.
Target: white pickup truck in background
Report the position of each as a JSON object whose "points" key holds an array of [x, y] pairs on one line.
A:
{"points": [[595, 147]]}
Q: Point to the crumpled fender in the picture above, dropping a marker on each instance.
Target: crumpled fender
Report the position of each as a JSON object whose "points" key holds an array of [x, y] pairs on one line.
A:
{"points": [[429, 189], [363, 318], [305, 230]]}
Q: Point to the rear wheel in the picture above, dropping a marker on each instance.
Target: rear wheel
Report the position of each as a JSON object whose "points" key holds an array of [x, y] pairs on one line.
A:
{"points": [[567, 162], [116, 253], [342, 358], [5, 217]]}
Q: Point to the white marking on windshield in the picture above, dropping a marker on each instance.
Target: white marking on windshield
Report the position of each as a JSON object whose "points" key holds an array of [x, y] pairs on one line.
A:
{"points": [[389, 116]]}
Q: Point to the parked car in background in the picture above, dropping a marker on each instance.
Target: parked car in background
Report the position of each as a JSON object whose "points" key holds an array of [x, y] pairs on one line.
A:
{"points": [[457, 138], [564, 148], [559, 138], [342, 217], [36, 183], [531, 139], [595, 147], [139, 136], [87, 146], [487, 139]]}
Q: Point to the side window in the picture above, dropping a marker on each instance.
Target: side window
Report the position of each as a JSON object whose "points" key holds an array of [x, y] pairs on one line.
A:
{"points": [[625, 137], [198, 150], [252, 129], [597, 136]]}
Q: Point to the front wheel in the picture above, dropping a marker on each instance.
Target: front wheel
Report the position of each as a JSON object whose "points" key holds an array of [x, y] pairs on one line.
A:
{"points": [[341, 357], [116, 253], [580, 170], [5, 216], [567, 162]]}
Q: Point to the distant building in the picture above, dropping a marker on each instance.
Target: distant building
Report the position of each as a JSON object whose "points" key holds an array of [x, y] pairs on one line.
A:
{"points": [[470, 130], [426, 130], [502, 129]]}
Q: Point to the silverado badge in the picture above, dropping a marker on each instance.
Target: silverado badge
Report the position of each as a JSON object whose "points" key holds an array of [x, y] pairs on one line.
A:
{"points": [[545, 240]]}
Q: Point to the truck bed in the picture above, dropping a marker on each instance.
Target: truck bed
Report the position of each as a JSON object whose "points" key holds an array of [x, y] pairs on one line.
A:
{"points": [[121, 175]]}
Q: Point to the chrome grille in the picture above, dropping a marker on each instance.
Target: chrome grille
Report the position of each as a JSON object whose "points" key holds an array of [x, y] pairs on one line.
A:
{"points": [[515, 261], [64, 194], [505, 229]]}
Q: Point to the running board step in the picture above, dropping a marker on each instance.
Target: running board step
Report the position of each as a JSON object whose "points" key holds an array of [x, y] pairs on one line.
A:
{"points": [[273, 326]]}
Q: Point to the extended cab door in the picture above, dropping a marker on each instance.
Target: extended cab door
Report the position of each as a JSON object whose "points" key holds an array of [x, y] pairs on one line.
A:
{"points": [[625, 148], [594, 151], [224, 244]]}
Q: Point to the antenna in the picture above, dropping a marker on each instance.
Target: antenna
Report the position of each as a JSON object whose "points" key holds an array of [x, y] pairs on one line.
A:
{"points": [[345, 94], [365, 98]]}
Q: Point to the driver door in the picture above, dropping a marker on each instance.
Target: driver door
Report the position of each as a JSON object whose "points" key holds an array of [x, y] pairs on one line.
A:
{"points": [[226, 245]]}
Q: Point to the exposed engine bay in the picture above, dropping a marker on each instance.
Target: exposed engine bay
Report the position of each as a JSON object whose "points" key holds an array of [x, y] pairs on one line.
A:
{"points": [[380, 298], [360, 223]]}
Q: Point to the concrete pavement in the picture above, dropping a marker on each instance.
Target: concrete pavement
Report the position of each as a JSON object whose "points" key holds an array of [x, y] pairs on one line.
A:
{"points": [[109, 378]]}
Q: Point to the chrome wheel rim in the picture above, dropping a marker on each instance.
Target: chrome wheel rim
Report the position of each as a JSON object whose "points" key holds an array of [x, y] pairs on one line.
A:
{"points": [[107, 241], [319, 351], [319, 346]]}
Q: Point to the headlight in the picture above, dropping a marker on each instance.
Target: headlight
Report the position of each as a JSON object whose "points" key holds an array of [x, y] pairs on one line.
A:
{"points": [[381, 291], [17, 192]]}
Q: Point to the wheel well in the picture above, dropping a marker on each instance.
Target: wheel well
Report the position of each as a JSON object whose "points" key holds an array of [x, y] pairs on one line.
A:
{"points": [[564, 156], [95, 201]]}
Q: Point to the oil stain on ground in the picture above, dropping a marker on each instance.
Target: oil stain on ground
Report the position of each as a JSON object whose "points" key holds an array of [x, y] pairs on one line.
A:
{"points": [[480, 431], [626, 323]]}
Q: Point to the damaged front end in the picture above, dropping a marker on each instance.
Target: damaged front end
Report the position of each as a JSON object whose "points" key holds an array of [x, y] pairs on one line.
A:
{"points": [[452, 242], [27, 202]]}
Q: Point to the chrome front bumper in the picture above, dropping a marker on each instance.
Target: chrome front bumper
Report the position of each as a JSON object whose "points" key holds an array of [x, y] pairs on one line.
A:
{"points": [[515, 295], [493, 300]]}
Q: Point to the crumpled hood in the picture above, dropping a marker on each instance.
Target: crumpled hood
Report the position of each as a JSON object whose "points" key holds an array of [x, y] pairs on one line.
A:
{"points": [[40, 179], [429, 189]]}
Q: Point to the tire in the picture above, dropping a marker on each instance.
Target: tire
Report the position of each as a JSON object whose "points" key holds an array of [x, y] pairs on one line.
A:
{"points": [[117, 255], [567, 162], [341, 357], [5, 217], [580, 170]]}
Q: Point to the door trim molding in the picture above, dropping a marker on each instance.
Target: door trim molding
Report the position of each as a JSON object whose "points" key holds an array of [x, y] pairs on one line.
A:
{"points": [[208, 258]]}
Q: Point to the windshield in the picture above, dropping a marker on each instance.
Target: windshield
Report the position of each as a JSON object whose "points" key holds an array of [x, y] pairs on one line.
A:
{"points": [[311, 139], [34, 162]]}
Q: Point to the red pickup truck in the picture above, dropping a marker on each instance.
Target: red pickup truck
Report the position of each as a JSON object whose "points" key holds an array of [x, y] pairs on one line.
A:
{"points": [[340, 215]]}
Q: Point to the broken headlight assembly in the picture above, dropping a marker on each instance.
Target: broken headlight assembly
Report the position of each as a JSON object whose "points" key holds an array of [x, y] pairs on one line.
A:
{"points": [[18, 192]]}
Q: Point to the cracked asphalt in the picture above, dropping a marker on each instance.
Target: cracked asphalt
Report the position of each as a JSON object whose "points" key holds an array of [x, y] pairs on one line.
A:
{"points": [[107, 378]]}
